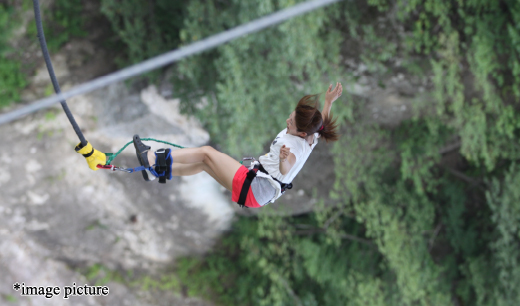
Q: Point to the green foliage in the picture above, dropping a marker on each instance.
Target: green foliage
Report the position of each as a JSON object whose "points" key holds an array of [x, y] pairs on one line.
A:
{"points": [[419, 142], [63, 22], [216, 276], [51, 115], [480, 111], [280, 267], [168, 282], [12, 81], [396, 216], [259, 76], [368, 146], [504, 200], [9, 298], [49, 90], [410, 226], [101, 275], [6, 24], [144, 28]]}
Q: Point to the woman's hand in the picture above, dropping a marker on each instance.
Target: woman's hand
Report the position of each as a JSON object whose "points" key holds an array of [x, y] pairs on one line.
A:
{"points": [[333, 94], [287, 160], [284, 153]]}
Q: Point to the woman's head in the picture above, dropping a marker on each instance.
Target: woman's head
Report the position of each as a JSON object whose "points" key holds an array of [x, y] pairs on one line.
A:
{"points": [[307, 120]]}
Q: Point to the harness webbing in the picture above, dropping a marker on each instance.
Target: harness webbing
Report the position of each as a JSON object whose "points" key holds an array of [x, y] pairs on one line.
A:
{"points": [[245, 187], [111, 156]]}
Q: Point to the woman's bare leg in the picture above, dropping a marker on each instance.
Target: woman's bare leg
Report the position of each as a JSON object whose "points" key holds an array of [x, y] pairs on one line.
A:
{"points": [[220, 166], [192, 169], [186, 169]]}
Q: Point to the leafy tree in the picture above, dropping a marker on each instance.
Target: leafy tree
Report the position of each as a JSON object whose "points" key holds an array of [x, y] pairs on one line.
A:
{"points": [[504, 200], [249, 86], [414, 225]]}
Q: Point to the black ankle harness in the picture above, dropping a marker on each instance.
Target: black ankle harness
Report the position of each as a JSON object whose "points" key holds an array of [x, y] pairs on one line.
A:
{"points": [[163, 165], [249, 179]]}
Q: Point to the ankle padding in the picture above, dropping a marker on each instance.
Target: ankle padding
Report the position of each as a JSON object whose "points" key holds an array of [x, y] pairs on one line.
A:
{"points": [[163, 164]]}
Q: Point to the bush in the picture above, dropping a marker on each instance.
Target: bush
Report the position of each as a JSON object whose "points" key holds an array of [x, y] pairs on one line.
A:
{"points": [[12, 81]]}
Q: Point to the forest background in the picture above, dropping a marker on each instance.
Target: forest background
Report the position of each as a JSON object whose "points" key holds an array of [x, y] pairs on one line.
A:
{"points": [[409, 221]]}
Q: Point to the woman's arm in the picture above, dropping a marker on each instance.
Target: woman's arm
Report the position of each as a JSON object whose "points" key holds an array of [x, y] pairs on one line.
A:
{"points": [[326, 109], [330, 96], [287, 160]]}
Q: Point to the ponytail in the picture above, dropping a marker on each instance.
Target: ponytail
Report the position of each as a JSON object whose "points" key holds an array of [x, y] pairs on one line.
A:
{"points": [[329, 129], [309, 119]]}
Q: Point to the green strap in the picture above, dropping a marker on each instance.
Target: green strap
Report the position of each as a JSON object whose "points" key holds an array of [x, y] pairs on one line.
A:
{"points": [[111, 156]]}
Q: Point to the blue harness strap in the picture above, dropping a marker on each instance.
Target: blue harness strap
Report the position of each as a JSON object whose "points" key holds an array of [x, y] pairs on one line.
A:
{"points": [[163, 165], [141, 168]]}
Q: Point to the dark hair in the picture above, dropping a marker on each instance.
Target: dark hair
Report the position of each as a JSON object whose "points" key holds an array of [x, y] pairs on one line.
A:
{"points": [[308, 119]]}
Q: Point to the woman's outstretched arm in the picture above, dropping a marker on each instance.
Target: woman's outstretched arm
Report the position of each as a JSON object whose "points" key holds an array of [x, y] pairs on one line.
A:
{"points": [[330, 96]]}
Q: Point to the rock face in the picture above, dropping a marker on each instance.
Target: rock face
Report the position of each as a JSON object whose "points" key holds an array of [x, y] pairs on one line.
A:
{"points": [[56, 213]]}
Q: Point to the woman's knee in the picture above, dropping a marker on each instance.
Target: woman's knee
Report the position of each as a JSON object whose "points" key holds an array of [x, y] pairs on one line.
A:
{"points": [[205, 168], [208, 152]]}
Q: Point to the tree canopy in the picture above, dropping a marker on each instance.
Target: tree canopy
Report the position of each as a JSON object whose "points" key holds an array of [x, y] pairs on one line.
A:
{"points": [[410, 228]]}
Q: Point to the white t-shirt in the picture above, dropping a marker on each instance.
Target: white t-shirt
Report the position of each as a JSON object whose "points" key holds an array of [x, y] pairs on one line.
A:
{"points": [[297, 145]]}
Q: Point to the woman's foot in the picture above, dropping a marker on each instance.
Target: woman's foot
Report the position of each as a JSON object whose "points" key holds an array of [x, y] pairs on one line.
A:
{"points": [[142, 151], [151, 158]]}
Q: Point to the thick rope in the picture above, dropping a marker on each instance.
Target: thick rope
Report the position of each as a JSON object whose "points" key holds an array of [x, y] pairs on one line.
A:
{"points": [[43, 45], [172, 56], [111, 156]]}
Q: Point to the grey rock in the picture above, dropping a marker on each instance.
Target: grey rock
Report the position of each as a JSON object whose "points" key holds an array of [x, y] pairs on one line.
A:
{"points": [[56, 213]]}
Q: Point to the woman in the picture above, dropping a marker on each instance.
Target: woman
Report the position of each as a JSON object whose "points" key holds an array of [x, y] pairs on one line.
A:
{"points": [[276, 169]]}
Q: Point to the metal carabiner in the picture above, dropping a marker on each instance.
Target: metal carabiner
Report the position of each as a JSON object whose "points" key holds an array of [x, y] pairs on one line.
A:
{"points": [[252, 159], [124, 170], [114, 168]]}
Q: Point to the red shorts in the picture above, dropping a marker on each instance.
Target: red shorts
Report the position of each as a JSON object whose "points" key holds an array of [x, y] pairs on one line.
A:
{"points": [[238, 181]]}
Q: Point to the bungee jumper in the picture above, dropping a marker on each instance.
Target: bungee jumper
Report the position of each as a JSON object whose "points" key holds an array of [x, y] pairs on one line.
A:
{"points": [[266, 179], [260, 184]]}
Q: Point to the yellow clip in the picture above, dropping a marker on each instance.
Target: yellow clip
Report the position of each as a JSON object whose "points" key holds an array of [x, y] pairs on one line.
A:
{"points": [[93, 156]]}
